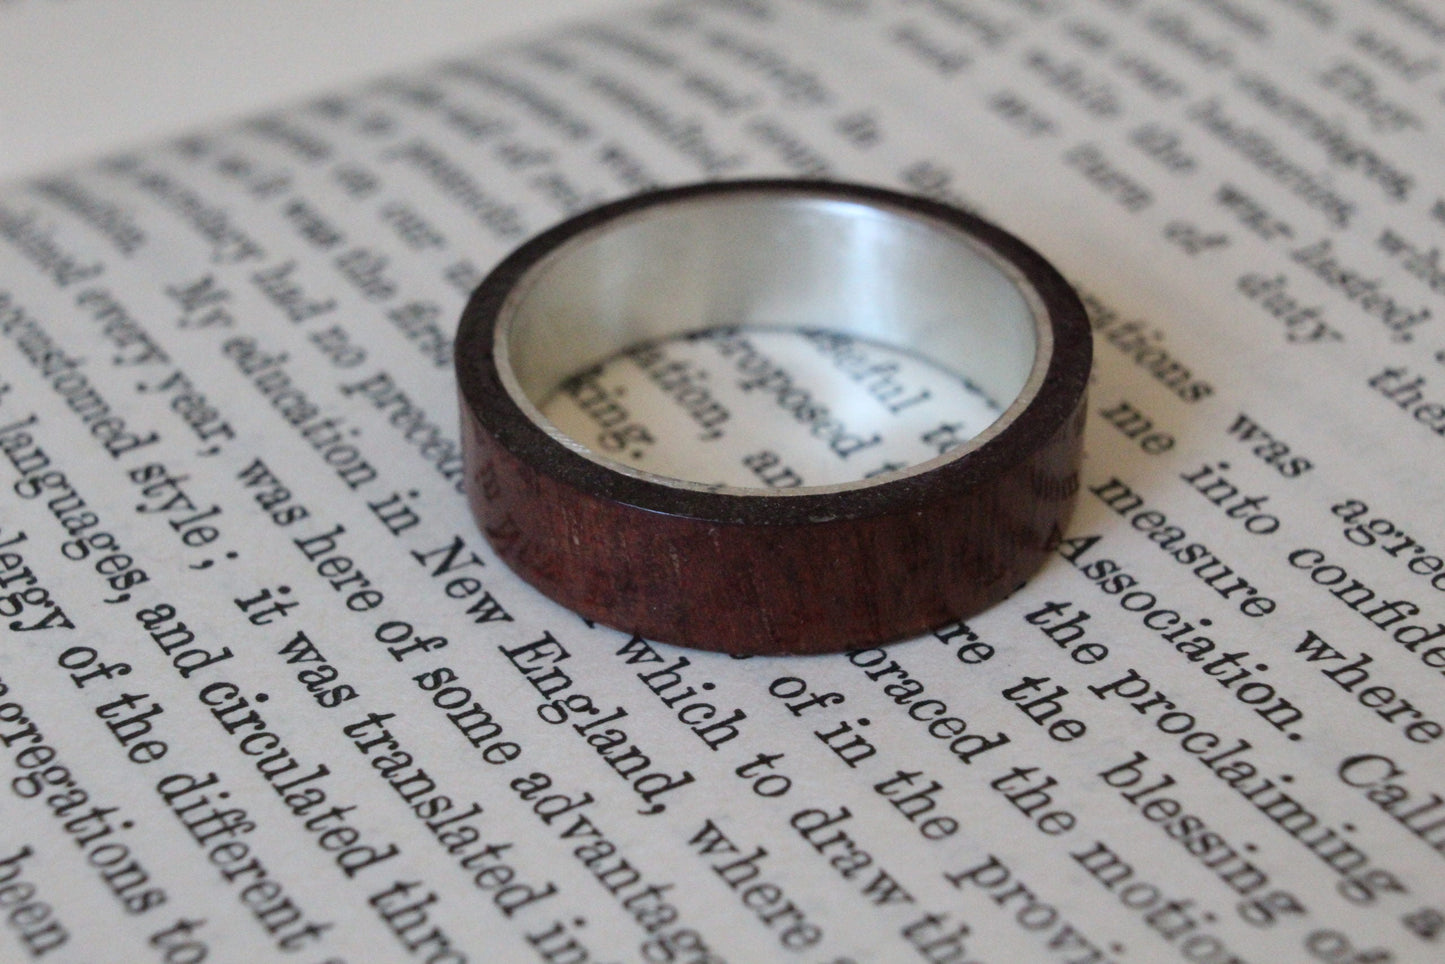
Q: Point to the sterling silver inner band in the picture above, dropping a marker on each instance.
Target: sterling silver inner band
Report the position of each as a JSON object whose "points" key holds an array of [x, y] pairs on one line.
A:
{"points": [[776, 259]]}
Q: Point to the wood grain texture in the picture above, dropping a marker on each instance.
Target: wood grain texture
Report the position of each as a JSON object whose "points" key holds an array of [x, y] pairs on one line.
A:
{"points": [[767, 574]]}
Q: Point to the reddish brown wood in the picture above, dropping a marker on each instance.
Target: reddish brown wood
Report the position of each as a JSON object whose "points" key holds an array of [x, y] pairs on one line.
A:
{"points": [[756, 574]]}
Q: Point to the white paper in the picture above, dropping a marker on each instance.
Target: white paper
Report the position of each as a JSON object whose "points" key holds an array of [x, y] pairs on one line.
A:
{"points": [[268, 695]]}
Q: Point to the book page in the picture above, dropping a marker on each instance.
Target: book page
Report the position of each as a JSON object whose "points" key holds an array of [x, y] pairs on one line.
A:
{"points": [[265, 693], [84, 77]]}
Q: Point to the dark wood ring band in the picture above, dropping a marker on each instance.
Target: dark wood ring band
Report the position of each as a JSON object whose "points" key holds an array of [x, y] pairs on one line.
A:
{"points": [[766, 574]]}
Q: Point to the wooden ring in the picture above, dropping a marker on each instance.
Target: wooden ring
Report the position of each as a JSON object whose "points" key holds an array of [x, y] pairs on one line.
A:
{"points": [[757, 571]]}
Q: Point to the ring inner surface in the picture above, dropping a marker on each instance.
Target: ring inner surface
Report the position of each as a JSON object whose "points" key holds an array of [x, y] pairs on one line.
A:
{"points": [[713, 304]]}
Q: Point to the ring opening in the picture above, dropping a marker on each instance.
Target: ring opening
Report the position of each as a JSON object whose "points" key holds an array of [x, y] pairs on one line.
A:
{"points": [[761, 342]]}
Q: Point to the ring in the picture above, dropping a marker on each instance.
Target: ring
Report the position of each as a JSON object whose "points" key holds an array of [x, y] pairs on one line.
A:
{"points": [[788, 564]]}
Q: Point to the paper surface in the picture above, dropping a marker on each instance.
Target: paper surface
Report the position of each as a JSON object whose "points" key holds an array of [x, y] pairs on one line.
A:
{"points": [[267, 694]]}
